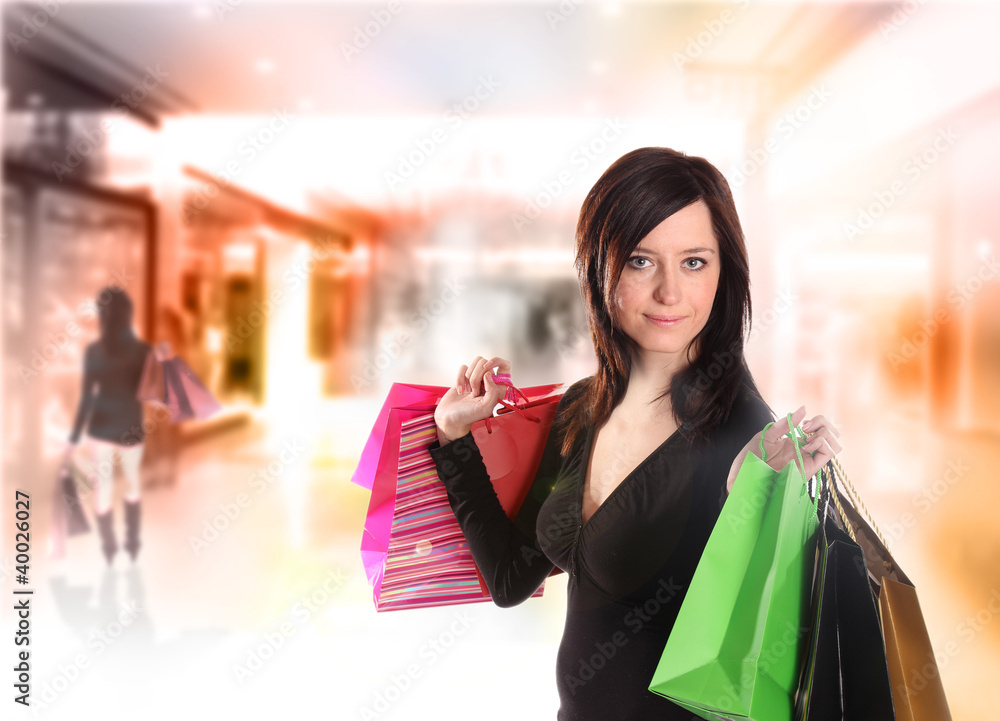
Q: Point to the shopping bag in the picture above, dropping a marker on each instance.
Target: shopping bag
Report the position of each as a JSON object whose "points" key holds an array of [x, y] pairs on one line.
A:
{"points": [[401, 395], [878, 560], [414, 552], [917, 691], [151, 383], [845, 676], [68, 516], [916, 682], [186, 396], [412, 395], [739, 639], [76, 519]]}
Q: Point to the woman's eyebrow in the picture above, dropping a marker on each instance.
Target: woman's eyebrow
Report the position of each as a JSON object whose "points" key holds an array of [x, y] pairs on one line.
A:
{"points": [[640, 249]]}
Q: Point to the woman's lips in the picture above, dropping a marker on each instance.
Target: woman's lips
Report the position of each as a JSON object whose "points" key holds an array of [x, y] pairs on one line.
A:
{"points": [[665, 321]]}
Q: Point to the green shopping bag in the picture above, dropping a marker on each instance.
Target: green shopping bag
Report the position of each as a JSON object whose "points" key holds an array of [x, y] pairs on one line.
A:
{"points": [[739, 639]]}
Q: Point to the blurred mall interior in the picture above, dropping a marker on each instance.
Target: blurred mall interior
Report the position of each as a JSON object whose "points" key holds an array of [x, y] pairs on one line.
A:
{"points": [[312, 201]]}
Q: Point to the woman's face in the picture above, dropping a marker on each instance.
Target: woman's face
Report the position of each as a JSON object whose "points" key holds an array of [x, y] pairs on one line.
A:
{"points": [[667, 287]]}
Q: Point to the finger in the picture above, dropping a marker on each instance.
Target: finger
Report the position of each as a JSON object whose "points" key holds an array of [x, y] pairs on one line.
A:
{"points": [[820, 447], [797, 418], [462, 382], [501, 363], [479, 383], [814, 462], [493, 392], [476, 376], [780, 427], [817, 422], [825, 434], [472, 367], [832, 441]]}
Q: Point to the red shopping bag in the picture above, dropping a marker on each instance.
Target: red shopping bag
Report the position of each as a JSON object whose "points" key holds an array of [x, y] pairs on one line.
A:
{"points": [[413, 549]]}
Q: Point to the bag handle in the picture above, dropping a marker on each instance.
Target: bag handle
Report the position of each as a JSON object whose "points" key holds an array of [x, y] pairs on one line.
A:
{"points": [[852, 495], [503, 379], [831, 484], [793, 433]]}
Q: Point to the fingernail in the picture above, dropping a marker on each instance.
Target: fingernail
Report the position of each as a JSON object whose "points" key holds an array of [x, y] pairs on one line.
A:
{"points": [[807, 425]]}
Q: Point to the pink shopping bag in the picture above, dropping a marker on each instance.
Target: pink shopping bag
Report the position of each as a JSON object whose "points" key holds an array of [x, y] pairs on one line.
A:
{"points": [[413, 549], [401, 395], [187, 397]]}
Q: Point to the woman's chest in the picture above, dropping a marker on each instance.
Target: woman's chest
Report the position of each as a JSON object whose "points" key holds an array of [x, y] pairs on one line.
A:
{"points": [[617, 452], [643, 517]]}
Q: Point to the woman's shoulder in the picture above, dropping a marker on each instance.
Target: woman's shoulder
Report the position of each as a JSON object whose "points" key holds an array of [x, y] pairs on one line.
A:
{"points": [[750, 410], [93, 350], [575, 389]]}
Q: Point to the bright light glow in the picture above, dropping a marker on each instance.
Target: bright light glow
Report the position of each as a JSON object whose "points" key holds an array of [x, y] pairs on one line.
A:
{"points": [[213, 339], [239, 257]]}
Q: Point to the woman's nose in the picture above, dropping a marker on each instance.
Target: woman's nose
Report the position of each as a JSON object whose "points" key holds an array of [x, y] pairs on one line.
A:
{"points": [[667, 288]]}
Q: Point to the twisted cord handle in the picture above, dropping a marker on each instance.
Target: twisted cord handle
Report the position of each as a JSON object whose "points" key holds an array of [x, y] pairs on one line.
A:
{"points": [[835, 494], [852, 495], [887, 563], [793, 432]]}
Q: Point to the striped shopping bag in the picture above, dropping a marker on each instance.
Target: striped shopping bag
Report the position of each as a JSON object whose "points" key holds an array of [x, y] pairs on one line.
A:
{"points": [[414, 551]]}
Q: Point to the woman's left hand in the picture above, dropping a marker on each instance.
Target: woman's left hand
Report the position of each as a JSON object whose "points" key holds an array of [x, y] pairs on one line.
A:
{"points": [[67, 455], [821, 446]]}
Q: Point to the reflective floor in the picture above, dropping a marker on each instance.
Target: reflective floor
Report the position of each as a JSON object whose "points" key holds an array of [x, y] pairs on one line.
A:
{"points": [[248, 597]]}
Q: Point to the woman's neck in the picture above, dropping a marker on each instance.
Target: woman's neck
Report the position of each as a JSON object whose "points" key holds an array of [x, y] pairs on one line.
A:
{"points": [[646, 382]]}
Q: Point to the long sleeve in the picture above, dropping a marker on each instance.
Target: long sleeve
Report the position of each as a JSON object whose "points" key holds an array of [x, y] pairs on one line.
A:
{"points": [[87, 396], [751, 419], [507, 553]]}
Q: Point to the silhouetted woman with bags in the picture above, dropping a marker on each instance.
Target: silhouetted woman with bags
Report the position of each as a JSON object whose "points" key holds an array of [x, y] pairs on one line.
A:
{"points": [[112, 414]]}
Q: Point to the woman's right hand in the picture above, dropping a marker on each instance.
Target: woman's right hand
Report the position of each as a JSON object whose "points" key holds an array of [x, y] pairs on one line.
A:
{"points": [[163, 351], [471, 399]]}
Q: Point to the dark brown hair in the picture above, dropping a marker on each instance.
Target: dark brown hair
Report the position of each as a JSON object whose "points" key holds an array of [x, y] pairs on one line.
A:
{"points": [[114, 308], [634, 195]]}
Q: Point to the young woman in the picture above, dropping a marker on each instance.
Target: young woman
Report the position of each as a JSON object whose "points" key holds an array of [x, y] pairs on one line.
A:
{"points": [[112, 367], [642, 454]]}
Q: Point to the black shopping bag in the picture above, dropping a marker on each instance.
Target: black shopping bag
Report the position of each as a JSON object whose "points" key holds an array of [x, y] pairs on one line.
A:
{"points": [[846, 675]]}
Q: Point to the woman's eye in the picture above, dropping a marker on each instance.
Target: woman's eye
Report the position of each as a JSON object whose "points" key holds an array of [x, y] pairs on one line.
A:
{"points": [[696, 260], [638, 257]]}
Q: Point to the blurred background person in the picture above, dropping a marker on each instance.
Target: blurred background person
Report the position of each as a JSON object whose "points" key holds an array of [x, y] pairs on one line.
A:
{"points": [[112, 414]]}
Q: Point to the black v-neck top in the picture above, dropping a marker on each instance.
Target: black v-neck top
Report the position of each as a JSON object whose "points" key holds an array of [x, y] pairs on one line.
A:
{"points": [[108, 406], [629, 565]]}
